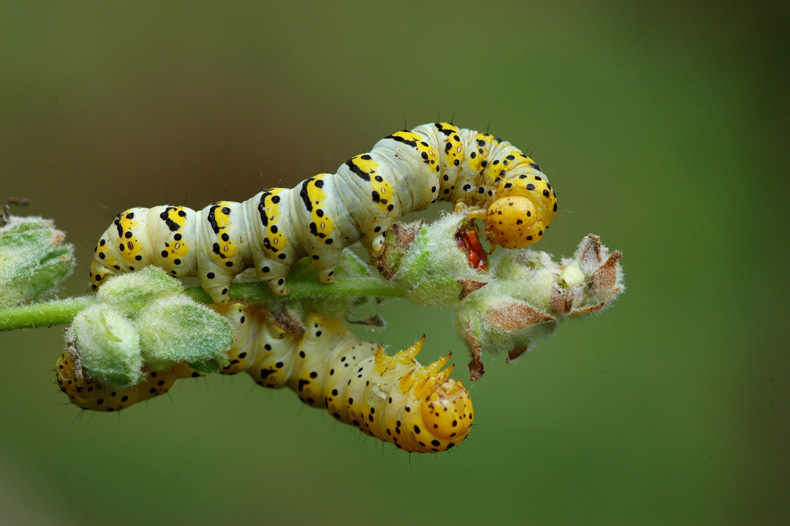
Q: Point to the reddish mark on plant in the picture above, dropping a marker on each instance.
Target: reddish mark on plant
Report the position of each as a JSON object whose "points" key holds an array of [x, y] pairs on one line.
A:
{"points": [[469, 242]]}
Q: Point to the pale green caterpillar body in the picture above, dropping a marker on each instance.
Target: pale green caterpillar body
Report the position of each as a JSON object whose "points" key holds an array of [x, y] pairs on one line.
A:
{"points": [[486, 177]]}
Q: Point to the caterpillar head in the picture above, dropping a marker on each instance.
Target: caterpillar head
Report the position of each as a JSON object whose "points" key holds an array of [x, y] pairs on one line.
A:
{"points": [[522, 210], [447, 411], [445, 405]]}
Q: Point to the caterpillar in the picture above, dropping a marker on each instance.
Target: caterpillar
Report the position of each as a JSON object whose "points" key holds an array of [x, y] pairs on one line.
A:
{"points": [[418, 409], [487, 177], [90, 394]]}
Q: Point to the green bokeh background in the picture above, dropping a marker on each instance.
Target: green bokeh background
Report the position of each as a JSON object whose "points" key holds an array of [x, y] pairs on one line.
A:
{"points": [[663, 128]]}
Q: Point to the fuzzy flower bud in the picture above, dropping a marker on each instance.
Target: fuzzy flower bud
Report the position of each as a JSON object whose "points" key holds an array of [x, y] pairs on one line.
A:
{"points": [[429, 262], [175, 329], [522, 296], [143, 322], [33, 259], [531, 294], [590, 281], [134, 291], [108, 346]]}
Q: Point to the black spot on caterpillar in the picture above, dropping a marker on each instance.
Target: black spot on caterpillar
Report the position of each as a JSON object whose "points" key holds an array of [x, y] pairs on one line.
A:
{"points": [[419, 409], [488, 178]]}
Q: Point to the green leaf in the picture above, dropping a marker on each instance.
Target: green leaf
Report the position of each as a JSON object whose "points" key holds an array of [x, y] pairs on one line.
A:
{"points": [[176, 329]]}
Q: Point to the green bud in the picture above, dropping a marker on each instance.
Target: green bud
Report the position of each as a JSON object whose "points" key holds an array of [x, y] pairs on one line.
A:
{"points": [[129, 293], [589, 282], [175, 329], [526, 275], [427, 263], [570, 277], [33, 259], [108, 346]]}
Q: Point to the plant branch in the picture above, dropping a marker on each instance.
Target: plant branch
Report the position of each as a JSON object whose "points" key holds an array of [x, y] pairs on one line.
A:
{"points": [[63, 311], [43, 314]]}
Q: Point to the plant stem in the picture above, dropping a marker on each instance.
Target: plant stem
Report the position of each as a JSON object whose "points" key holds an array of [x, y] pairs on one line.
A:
{"points": [[257, 292], [63, 311], [43, 314]]}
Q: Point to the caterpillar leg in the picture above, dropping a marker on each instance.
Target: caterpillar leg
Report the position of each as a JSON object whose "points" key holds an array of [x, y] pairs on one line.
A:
{"points": [[326, 262], [277, 286], [326, 275], [98, 275], [377, 243], [215, 281]]}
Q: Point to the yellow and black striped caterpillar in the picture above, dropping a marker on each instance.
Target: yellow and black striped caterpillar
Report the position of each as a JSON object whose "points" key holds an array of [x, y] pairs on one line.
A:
{"points": [[488, 178], [419, 409]]}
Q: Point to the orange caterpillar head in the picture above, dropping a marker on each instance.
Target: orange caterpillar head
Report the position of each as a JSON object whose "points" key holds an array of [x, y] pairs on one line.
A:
{"points": [[445, 416], [522, 210], [447, 412]]}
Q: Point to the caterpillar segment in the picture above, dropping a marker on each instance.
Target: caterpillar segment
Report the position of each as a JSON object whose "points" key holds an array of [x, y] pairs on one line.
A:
{"points": [[89, 394], [416, 408], [487, 178], [395, 399]]}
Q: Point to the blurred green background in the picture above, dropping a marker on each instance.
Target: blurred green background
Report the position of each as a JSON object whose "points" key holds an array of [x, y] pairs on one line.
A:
{"points": [[661, 126]]}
